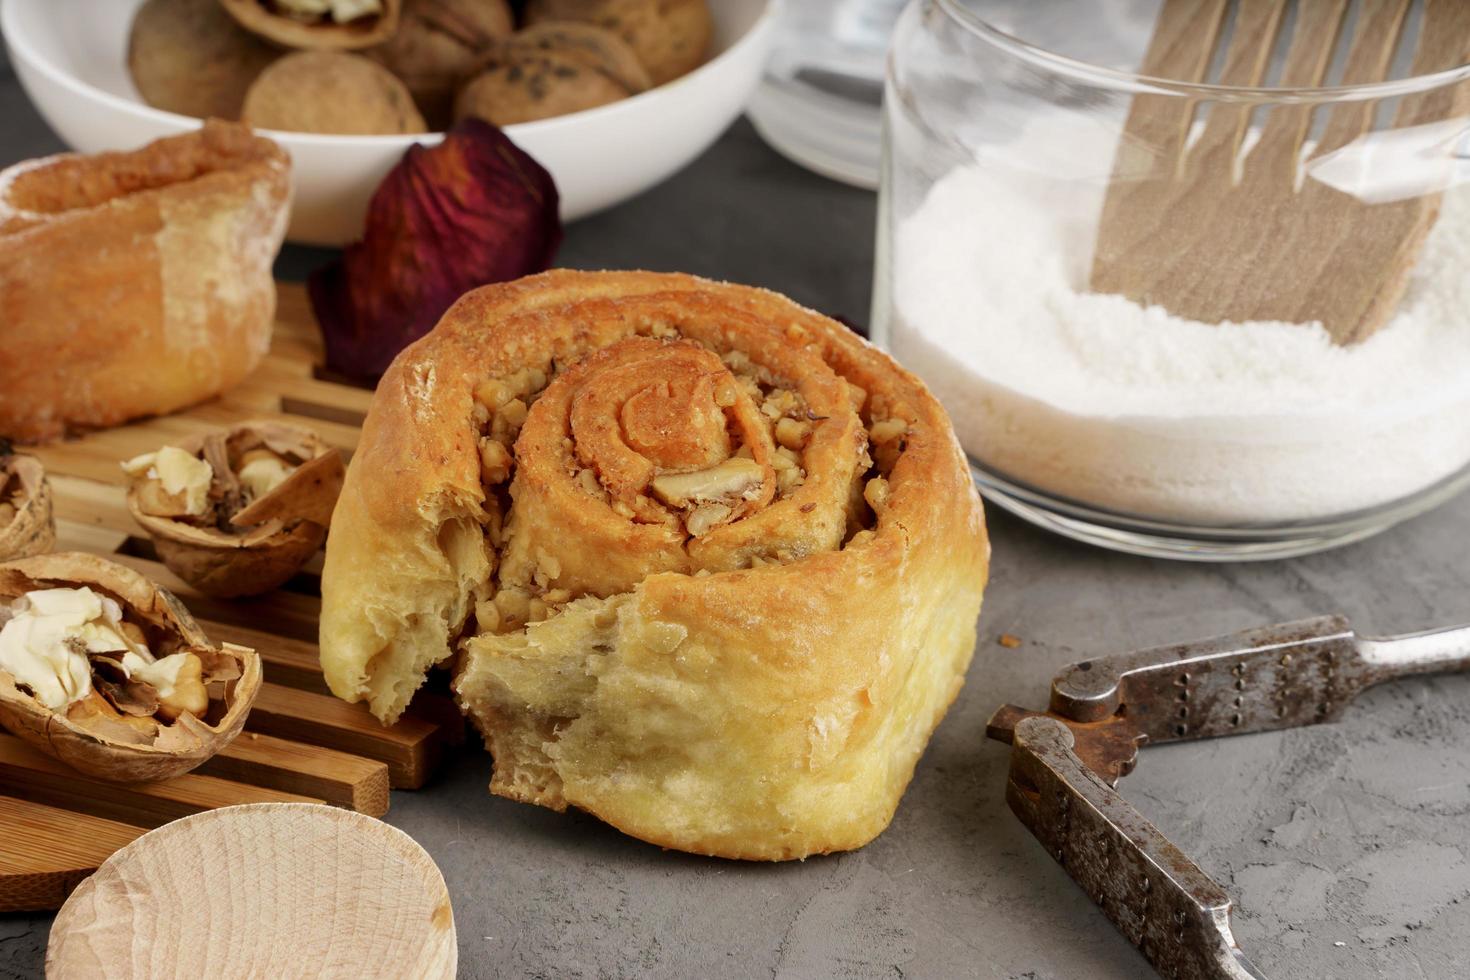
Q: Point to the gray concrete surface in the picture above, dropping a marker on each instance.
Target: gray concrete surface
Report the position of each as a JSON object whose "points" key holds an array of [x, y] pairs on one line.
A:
{"points": [[1345, 846]]}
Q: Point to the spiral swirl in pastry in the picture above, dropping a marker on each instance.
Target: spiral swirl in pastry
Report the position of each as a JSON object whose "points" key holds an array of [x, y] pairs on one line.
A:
{"points": [[711, 562]]}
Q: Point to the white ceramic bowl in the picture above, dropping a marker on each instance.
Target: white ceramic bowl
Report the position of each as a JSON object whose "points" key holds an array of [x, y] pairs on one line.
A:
{"points": [[71, 58]]}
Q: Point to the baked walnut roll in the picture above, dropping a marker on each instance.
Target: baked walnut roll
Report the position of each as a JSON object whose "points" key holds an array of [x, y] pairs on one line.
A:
{"points": [[710, 562]]}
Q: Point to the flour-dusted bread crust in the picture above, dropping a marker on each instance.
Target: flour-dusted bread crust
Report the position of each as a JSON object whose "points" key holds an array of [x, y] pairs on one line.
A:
{"points": [[710, 562], [136, 283]]}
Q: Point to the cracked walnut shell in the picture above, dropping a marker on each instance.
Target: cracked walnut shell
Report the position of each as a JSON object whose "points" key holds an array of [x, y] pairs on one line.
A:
{"points": [[27, 526], [294, 24], [237, 512], [121, 736]]}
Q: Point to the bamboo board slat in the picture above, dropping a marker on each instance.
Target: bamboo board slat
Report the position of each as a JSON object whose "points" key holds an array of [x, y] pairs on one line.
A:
{"points": [[48, 852], [300, 743]]}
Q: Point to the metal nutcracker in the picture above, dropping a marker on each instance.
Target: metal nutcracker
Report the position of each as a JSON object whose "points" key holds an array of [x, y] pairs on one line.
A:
{"points": [[1066, 761]]}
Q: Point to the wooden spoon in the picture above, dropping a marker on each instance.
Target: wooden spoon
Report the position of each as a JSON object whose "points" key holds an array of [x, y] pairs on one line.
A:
{"points": [[1193, 229], [262, 890]]}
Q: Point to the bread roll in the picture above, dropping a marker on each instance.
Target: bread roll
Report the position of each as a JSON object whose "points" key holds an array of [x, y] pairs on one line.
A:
{"points": [[136, 283], [711, 562]]}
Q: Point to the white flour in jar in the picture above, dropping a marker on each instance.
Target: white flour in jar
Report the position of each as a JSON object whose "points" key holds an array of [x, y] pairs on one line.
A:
{"points": [[1099, 399]]}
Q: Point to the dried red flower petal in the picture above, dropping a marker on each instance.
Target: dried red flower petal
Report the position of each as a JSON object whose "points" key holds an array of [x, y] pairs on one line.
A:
{"points": [[473, 210]]}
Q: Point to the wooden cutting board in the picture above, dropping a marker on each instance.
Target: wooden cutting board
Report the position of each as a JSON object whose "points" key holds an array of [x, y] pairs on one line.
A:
{"points": [[299, 743]]}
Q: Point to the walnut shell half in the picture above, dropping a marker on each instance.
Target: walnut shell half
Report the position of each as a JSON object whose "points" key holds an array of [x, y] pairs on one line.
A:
{"points": [[247, 544], [272, 20], [27, 526], [118, 753]]}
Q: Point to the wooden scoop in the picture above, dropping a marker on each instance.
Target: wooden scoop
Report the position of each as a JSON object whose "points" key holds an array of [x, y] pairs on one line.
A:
{"points": [[1208, 237], [261, 890]]}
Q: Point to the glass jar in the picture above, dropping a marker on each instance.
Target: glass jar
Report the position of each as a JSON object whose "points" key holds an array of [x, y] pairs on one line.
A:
{"points": [[820, 96], [1087, 405]]}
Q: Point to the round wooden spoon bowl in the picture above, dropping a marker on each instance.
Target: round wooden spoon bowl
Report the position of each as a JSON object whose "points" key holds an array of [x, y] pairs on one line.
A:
{"points": [[262, 890]]}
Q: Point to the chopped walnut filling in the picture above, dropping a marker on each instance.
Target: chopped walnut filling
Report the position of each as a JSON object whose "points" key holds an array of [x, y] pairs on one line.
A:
{"points": [[708, 496], [587, 480], [725, 481], [495, 461], [500, 407], [659, 330], [887, 438], [654, 465], [789, 474], [887, 430], [780, 403], [876, 494], [704, 518], [792, 434]]}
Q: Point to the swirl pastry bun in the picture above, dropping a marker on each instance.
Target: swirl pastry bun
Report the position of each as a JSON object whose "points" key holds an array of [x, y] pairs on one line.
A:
{"points": [[710, 562]]}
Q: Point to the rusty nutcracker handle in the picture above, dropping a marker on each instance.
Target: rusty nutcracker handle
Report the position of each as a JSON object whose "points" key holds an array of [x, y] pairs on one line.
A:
{"points": [[1176, 915], [1257, 680]]}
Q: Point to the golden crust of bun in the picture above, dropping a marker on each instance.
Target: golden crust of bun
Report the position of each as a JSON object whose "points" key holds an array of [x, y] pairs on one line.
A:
{"points": [[710, 562], [136, 283]]}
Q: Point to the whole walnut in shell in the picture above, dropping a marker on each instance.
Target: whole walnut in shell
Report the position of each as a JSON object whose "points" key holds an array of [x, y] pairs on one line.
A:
{"points": [[110, 674], [551, 69], [331, 92], [594, 46], [436, 45], [670, 37], [238, 512], [27, 526], [188, 56]]}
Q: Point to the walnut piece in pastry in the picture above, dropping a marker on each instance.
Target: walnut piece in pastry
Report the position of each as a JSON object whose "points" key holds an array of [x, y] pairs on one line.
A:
{"points": [[237, 512], [331, 92], [141, 280], [188, 56], [27, 525], [110, 674], [670, 37], [710, 563]]}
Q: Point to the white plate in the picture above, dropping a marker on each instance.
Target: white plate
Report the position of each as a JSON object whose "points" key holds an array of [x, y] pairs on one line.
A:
{"points": [[71, 58]]}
